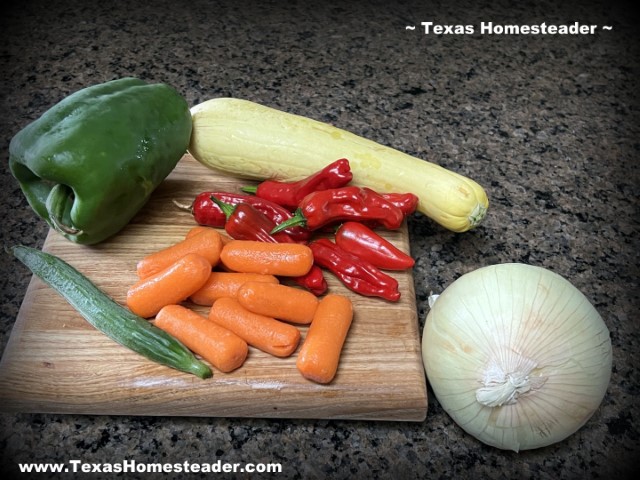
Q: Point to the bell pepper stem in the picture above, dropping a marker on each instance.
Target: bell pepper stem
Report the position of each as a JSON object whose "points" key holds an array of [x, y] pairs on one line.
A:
{"points": [[252, 189], [298, 219], [56, 205]]}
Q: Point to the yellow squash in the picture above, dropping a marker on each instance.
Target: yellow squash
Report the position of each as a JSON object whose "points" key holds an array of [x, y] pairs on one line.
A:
{"points": [[249, 140]]}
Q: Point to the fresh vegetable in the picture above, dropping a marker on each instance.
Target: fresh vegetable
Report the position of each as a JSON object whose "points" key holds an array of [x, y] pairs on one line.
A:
{"points": [[207, 244], [90, 162], [219, 346], [320, 353], [356, 274], [172, 285], [244, 222], [107, 316], [516, 355], [290, 194], [327, 207], [195, 230], [201, 228], [364, 243], [206, 212], [313, 281], [278, 145], [406, 202], [278, 301], [264, 333], [226, 284], [250, 256]]}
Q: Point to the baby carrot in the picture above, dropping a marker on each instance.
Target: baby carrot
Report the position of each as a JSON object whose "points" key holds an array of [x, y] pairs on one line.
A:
{"points": [[207, 244], [222, 348], [264, 333], [226, 284], [171, 285], [320, 353], [252, 256], [278, 301], [201, 228], [195, 230]]}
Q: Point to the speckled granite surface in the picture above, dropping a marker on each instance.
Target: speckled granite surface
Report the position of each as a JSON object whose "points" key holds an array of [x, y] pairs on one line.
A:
{"points": [[548, 124]]}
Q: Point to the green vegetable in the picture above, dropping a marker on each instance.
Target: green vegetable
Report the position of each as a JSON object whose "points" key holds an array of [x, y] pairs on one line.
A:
{"points": [[108, 316], [90, 162]]}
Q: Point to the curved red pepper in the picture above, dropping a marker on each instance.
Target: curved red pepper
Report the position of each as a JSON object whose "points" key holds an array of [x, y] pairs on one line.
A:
{"points": [[342, 204], [313, 281], [290, 194], [245, 222], [407, 202], [206, 212], [363, 242], [355, 273]]}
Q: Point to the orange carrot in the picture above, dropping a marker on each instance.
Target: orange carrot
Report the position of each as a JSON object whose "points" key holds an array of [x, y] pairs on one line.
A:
{"points": [[207, 244], [320, 353], [282, 302], [195, 230], [201, 228], [264, 333], [251, 256], [226, 284], [171, 285], [222, 348]]}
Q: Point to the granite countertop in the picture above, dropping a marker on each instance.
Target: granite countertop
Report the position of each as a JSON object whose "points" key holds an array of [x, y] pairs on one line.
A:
{"points": [[548, 124]]}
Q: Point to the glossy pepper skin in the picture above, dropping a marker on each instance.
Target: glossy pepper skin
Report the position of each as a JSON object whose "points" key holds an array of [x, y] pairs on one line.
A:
{"points": [[90, 162], [245, 222], [366, 244], [326, 207], [206, 212], [406, 202], [355, 273], [313, 281], [290, 194]]}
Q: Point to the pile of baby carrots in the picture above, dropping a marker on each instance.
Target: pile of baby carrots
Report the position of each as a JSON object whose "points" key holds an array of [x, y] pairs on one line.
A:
{"points": [[249, 306]]}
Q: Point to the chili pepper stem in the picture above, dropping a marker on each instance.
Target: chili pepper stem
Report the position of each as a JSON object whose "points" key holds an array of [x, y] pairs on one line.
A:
{"points": [[250, 189], [226, 208], [182, 206], [297, 220]]}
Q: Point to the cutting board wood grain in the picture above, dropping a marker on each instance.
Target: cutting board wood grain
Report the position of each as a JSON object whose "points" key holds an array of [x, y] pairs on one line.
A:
{"points": [[56, 362]]}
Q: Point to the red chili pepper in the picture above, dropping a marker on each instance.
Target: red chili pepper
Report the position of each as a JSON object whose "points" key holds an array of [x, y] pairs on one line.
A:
{"points": [[342, 204], [407, 202], [206, 212], [203, 211], [363, 242], [245, 222], [290, 194], [313, 281], [355, 273]]}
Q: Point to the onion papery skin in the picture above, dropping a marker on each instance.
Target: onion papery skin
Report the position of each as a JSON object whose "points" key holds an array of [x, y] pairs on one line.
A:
{"points": [[516, 318]]}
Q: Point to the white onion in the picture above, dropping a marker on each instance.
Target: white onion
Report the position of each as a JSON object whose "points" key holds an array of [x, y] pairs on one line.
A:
{"points": [[516, 355]]}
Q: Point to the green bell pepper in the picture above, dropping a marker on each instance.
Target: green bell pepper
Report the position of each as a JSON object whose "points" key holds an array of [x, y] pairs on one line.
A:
{"points": [[91, 162]]}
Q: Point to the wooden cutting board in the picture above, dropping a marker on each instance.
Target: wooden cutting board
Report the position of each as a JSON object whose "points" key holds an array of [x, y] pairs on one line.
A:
{"points": [[56, 362]]}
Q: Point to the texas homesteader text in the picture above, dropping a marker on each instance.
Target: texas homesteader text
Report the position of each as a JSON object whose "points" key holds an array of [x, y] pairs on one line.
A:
{"points": [[131, 466], [489, 28]]}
